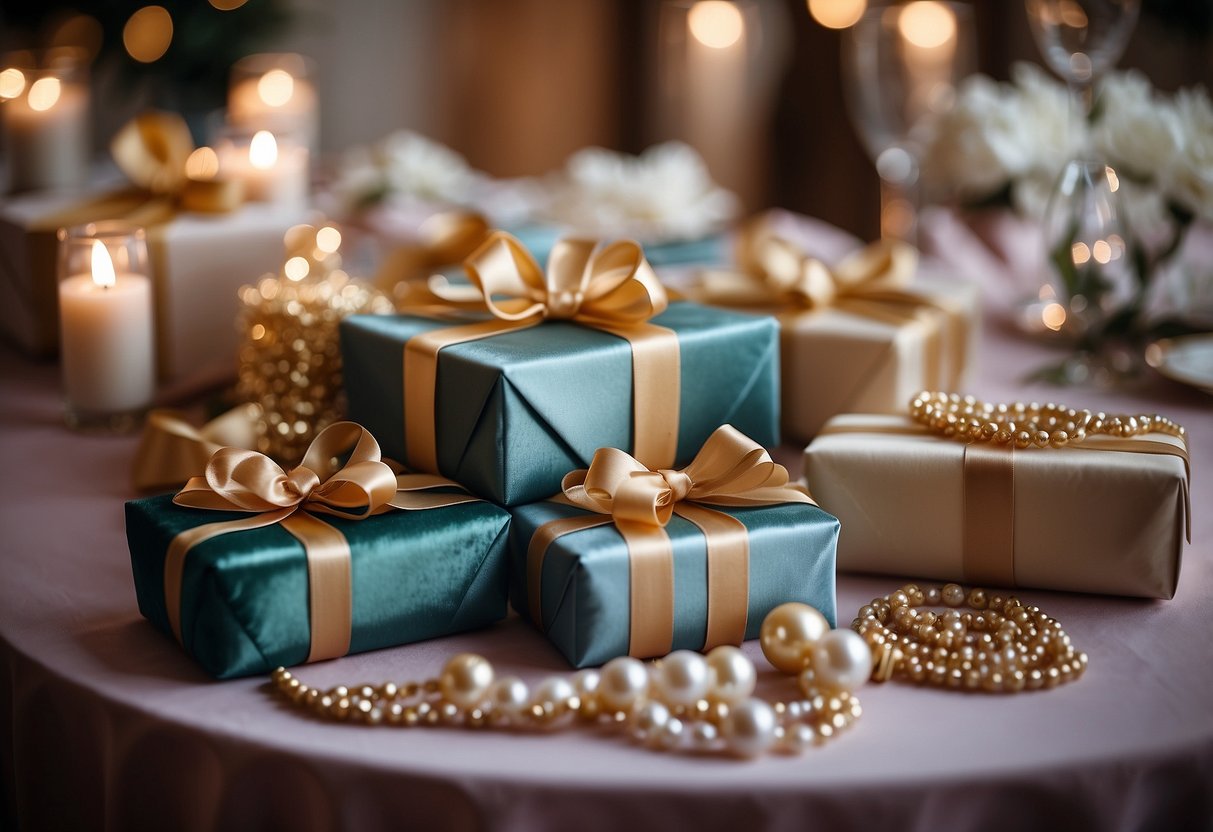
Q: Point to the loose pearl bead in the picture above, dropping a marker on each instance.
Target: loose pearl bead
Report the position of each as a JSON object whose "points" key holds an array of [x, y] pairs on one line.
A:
{"points": [[673, 736], [749, 729], [953, 595], [554, 689], [787, 632], [465, 680], [509, 695], [841, 660], [733, 676], [623, 681], [682, 678], [586, 682], [649, 718]]}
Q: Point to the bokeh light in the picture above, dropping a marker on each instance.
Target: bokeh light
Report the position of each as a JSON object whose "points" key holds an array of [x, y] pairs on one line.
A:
{"points": [[148, 33], [837, 14], [716, 23]]}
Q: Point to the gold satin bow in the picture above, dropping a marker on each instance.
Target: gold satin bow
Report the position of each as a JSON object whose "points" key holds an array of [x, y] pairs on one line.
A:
{"points": [[249, 482], [730, 470], [781, 271], [171, 450], [445, 239], [608, 287]]}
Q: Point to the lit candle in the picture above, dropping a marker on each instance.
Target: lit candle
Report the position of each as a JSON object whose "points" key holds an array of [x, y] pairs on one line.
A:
{"points": [[45, 131], [108, 347], [273, 169], [274, 92]]}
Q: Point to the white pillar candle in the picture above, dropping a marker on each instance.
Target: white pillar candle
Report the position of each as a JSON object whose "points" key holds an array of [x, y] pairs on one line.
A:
{"points": [[273, 169], [46, 135], [272, 92], [108, 348]]}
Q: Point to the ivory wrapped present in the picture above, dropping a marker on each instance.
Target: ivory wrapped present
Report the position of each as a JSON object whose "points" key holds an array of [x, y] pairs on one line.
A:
{"points": [[1106, 515], [629, 561], [861, 336], [511, 381], [204, 244], [251, 567]]}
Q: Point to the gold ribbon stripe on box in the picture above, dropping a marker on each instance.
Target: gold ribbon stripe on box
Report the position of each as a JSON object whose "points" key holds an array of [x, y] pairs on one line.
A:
{"points": [[873, 283], [247, 481], [988, 488], [730, 470], [611, 288], [150, 150]]}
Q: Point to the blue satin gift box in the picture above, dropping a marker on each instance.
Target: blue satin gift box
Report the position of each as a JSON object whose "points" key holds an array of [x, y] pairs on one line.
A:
{"points": [[584, 577], [244, 602], [516, 411]]}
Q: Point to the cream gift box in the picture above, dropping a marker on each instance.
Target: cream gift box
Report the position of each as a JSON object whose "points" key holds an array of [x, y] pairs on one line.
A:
{"points": [[1107, 515], [861, 335], [199, 262]]}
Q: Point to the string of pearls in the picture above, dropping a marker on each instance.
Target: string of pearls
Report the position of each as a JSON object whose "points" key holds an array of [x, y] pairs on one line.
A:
{"points": [[684, 702], [1027, 425], [997, 645]]}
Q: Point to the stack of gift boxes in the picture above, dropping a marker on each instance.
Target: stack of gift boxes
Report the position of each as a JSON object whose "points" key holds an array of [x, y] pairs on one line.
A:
{"points": [[682, 533]]}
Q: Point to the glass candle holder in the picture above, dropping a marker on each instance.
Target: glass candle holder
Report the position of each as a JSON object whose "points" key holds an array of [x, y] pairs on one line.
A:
{"points": [[275, 92], [272, 166], [107, 334], [46, 119]]}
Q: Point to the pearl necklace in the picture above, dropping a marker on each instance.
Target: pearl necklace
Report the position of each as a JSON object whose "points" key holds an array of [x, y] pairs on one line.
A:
{"points": [[1027, 425], [684, 702], [999, 645]]}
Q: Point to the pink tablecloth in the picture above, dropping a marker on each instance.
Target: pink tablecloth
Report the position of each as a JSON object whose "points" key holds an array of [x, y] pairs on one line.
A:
{"points": [[105, 724]]}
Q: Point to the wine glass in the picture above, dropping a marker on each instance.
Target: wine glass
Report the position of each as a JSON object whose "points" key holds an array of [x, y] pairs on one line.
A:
{"points": [[901, 65], [1085, 232]]}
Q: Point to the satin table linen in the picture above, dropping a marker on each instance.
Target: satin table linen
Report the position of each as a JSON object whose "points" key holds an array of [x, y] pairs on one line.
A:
{"points": [[106, 724]]}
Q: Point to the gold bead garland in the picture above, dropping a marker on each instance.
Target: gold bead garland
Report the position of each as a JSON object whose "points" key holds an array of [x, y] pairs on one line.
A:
{"points": [[290, 363], [998, 645], [1027, 425], [685, 702]]}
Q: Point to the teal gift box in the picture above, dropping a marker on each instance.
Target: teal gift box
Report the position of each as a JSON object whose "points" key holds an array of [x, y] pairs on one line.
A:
{"points": [[585, 601], [516, 411], [245, 595]]}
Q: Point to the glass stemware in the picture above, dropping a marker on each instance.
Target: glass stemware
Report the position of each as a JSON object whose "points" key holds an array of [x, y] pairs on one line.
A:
{"points": [[901, 64]]}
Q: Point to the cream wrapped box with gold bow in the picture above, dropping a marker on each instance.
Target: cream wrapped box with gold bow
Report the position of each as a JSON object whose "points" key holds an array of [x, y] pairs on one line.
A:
{"points": [[250, 567], [629, 561], [1106, 515], [204, 245], [509, 389], [859, 336]]}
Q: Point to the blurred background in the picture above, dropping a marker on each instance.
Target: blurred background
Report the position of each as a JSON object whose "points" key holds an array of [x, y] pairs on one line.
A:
{"points": [[516, 86]]}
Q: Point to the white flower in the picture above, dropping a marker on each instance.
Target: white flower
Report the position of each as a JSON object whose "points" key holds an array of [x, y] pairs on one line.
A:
{"points": [[665, 193], [404, 166], [1050, 133], [978, 145], [1189, 179], [1136, 131]]}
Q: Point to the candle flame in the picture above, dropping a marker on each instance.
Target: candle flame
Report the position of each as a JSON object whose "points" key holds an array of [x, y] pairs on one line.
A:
{"points": [[103, 266], [276, 87], [12, 82], [263, 150], [202, 164], [927, 24], [43, 93], [716, 23]]}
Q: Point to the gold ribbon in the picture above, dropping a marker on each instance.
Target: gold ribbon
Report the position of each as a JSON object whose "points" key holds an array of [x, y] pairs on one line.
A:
{"points": [[445, 239], [607, 287], [246, 481], [873, 282], [730, 470], [151, 151], [171, 450], [988, 488]]}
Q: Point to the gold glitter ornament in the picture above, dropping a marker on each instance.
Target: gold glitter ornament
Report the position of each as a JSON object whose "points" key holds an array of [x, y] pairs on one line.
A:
{"points": [[290, 361]]}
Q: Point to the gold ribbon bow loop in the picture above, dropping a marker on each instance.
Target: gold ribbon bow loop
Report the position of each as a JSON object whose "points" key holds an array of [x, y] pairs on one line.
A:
{"points": [[445, 239], [151, 150], [585, 281], [171, 450]]}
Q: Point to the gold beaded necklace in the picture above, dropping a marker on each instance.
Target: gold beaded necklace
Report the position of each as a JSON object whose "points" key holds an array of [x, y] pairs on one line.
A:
{"points": [[997, 645], [1027, 425]]}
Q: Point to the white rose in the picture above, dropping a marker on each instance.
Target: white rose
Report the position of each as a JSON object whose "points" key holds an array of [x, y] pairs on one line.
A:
{"points": [[1189, 178], [419, 167], [1050, 134], [977, 146], [1135, 131], [359, 181]]}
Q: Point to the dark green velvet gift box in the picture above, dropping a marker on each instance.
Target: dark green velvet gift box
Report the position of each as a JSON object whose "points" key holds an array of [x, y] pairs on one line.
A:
{"points": [[517, 411], [244, 596], [585, 595]]}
